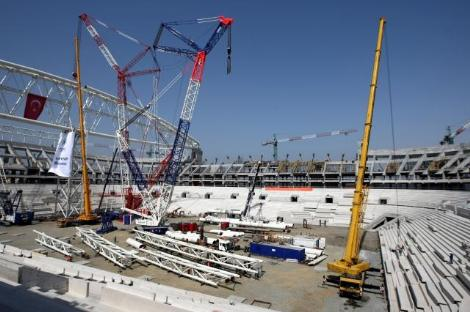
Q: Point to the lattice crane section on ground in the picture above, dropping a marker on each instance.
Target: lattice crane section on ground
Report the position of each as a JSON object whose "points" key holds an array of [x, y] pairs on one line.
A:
{"points": [[199, 272], [238, 263], [110, 251], [57, 245]]}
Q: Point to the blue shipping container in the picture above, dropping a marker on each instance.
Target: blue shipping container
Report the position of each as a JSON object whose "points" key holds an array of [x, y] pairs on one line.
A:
{"points": [[276, 251], [127, 219]]}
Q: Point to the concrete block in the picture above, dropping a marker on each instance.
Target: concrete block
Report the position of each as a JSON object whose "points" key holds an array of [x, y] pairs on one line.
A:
{"points": [[145, 277], [85, 275], [464, 278], [117, 279], [138, 292], [418, 297], [98, 277], [30, 277], [403, 299], [127, 281], [235, 299], [78, 287], [458, 287], [27, 253], [128, 302], [13, 251], [9, 271], [435, 294], [94, 289], [71, 272], [449, 291]]}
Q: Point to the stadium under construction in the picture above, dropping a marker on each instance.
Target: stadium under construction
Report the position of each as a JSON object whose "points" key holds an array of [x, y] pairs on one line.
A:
{"points": [[94, 230]]}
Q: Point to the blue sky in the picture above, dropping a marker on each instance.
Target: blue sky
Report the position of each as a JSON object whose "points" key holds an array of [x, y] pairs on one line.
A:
{"points": [[299, 67]]}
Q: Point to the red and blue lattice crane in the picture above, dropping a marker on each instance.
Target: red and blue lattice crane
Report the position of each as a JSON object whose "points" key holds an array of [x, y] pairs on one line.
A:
{"points": [[198, 54]]}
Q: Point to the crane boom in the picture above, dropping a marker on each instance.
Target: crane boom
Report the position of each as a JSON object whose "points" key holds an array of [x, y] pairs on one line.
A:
{"points": [[450, 137], [123, 81], [350, 265], [274, 142], [251, 192], [317, 135], [100, 42], [175, 157]]}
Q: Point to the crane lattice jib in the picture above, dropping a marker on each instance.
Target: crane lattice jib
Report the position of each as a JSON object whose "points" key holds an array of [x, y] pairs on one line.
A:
{"points": [[251, 192], [176, 155], [460, 130], [123, 76]]}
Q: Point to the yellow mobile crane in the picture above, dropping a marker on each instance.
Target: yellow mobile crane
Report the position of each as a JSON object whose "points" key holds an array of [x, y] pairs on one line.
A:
{"points": [[351, 268], [87, 216]]}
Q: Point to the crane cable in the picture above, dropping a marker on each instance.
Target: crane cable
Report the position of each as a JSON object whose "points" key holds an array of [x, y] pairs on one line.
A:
{"points": [[392, 123]]}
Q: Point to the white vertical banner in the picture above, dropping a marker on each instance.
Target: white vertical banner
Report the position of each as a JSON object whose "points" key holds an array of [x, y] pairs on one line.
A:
{"points": [[62, 162]]}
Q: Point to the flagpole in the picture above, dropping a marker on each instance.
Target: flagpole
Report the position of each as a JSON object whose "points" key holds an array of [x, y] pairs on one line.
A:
{"points": [[87, 215]]}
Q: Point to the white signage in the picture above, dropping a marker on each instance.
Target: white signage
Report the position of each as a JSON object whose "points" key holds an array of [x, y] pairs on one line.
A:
{"points": [[62, 162]]}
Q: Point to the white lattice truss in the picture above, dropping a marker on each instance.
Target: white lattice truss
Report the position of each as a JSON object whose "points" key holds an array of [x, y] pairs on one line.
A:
{"points": [[110, 251], [196, 271], [56, 244], [237, 263], [100, 108]]}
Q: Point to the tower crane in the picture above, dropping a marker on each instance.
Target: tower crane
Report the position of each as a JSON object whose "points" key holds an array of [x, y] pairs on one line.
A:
{"points": [[351, 267], [158, 207], [274, 142], [450, 136]]}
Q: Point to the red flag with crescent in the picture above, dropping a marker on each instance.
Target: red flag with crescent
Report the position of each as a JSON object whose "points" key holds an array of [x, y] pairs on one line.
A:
{"points": [[34, 106]]}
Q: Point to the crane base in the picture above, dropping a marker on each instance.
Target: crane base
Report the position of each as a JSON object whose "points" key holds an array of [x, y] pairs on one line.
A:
{"points": [[343, 267], [87, 219]]}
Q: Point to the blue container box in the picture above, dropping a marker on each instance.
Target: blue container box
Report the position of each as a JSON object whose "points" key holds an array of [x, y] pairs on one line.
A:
{"points": [[276, 251], [127, 219]]}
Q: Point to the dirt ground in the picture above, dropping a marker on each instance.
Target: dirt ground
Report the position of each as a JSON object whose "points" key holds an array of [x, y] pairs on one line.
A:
{"points": [[286, 286]]}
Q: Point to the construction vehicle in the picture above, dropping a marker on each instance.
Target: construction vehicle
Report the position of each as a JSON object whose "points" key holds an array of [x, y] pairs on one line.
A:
{"points": [[12, 211], [251, 192], [449, 138], [351, 267], [87, 216], [275, 141]]}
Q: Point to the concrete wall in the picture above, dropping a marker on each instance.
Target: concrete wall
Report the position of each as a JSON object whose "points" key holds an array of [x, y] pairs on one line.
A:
{"points": [[30, 277]]}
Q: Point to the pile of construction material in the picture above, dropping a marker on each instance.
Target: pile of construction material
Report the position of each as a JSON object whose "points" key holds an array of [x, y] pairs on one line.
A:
{"points": [[202, 262]]}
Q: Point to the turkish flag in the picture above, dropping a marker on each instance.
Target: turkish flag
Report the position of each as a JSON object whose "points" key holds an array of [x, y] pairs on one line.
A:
{"points": [[34, 106]]}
